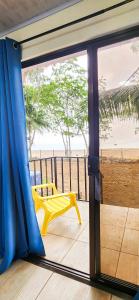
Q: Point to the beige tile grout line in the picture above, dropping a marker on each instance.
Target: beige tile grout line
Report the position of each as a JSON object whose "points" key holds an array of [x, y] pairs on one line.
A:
{"points": [[119, 250], [70, 238], [59, 262], [44, 285], [121, 247], [75, 240], [122, 242]]}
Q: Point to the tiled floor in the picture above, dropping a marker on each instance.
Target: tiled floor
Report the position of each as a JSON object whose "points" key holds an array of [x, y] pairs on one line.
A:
{"points": [[67, 242], [24, 281]]}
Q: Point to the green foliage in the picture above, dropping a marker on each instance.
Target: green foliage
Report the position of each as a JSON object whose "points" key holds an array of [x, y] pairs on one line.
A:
{"points": [[66, 93], [59, 102], [35, 113], [36, 118]]}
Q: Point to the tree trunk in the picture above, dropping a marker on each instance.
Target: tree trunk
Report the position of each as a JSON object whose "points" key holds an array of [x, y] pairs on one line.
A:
{"points": [[65, 146], [69, 141], [69, 146], [31, 140]]}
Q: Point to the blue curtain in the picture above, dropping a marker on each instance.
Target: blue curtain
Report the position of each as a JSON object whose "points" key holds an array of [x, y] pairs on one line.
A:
{"points": [[136, 297], [19, 231]]}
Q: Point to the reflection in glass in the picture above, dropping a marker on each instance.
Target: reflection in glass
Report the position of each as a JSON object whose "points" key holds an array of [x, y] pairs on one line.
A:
{"points": [[119, 163]]}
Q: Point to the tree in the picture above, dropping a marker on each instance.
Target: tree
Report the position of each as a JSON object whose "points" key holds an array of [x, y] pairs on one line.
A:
{"points": [[66, 91], [36, 118], [60, 103], [68, 105], [35, 114]]}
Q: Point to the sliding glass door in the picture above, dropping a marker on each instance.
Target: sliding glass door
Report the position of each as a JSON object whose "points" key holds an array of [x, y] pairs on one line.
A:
{"points": [[118, 81], [56, 95], [105, 247]]}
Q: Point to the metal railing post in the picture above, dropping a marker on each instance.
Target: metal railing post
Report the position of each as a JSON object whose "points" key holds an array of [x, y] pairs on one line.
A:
{"points": [[50, 172], [55, 171]]}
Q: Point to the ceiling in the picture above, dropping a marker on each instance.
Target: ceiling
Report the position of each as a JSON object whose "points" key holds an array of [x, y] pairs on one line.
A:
{"points": [[15, 14]]}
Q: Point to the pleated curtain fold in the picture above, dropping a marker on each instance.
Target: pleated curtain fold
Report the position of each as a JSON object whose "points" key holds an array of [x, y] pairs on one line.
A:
{"points": [[19, 231]]}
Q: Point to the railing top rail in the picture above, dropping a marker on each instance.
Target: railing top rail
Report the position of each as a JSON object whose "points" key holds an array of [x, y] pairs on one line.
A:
{"points": [[51, 157]]}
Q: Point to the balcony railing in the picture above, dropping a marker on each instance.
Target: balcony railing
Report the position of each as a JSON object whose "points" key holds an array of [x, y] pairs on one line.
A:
{"points": [[68, 174]]}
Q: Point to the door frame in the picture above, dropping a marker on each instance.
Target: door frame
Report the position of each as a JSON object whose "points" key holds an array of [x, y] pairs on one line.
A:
{"points": [[95, 278]]}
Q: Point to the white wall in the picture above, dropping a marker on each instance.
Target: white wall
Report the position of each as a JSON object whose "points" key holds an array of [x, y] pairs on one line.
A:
{"points": [[110, 22]]}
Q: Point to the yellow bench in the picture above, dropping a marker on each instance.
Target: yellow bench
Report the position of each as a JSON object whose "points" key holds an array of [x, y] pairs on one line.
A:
{"points": [[54, 205]]}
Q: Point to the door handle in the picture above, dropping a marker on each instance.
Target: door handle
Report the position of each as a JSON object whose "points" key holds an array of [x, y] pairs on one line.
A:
{"points": [[93, 165]]}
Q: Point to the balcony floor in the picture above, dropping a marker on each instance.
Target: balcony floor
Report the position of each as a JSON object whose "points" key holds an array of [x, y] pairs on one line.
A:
{"points": [[27, 281], [67, 242]]}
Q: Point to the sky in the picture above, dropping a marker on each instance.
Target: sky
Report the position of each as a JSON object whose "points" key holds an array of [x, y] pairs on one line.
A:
{"points": [[115, 64]]}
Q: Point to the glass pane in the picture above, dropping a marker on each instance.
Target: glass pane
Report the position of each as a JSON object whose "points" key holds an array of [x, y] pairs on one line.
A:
{"points": [[56, 98], [119, 159]]}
